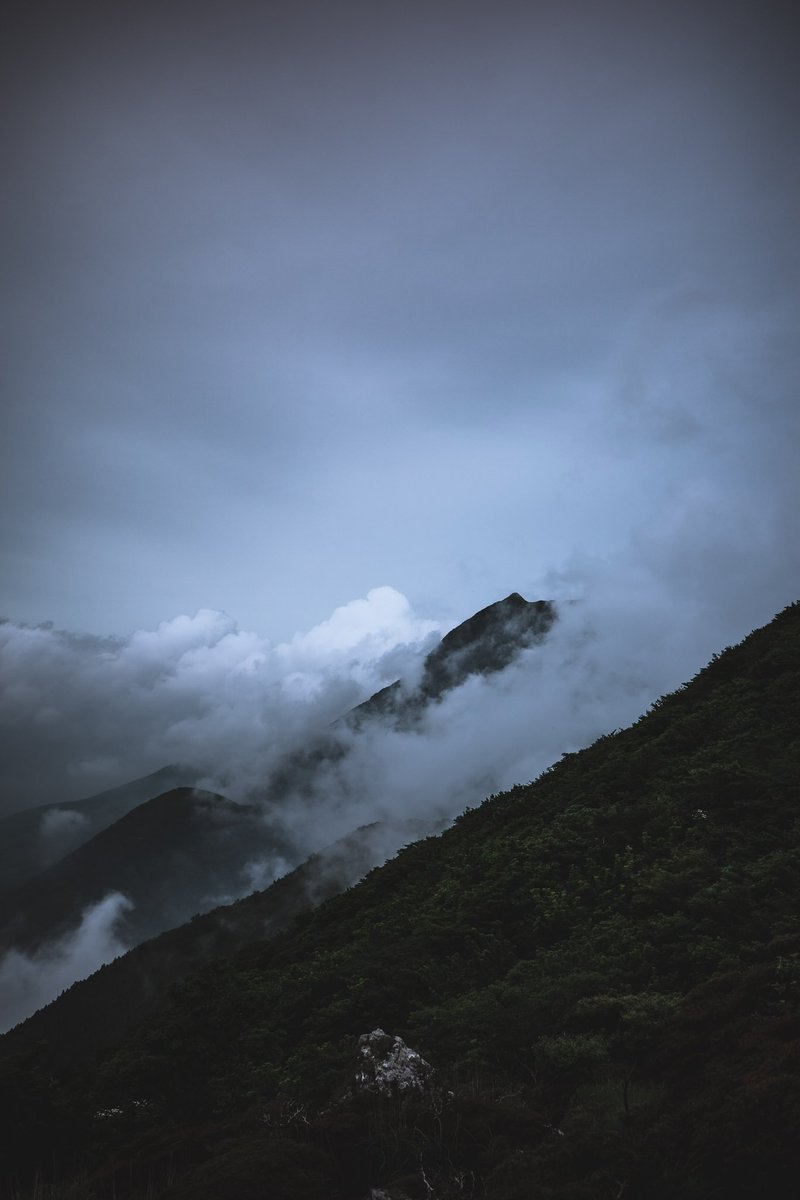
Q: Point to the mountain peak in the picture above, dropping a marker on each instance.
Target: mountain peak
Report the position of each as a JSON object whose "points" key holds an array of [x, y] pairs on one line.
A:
{"points": [[485, 643]]}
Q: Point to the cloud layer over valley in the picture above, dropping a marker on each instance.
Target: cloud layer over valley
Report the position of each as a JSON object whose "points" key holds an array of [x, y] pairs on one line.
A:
{"points": [[79, 714]]}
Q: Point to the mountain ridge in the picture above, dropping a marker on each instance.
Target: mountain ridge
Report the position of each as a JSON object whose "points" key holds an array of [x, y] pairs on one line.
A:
{"points": [[601, 967], [176, 855], [23, 834], [484, 644], [144, 973], [177, 846]]}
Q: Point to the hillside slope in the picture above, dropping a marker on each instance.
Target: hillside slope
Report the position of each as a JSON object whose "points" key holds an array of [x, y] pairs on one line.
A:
{"points": [[166, 856], [603, 968], [97, 1011], [184, 852], [32, 840]]}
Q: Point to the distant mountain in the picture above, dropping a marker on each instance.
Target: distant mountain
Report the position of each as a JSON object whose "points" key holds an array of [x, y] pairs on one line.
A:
{"points": [[483, 645], [174, 854], [184, 851], [97, 1011], [35, 838], [169, 859], [596, 978]]}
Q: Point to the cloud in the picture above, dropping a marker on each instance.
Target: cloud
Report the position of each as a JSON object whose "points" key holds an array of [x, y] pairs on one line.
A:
{"points": [[29, 981], [79, 713], [627, 631], [282, 327], [358, 634], [61, 830], [611, 653], [62, 823]]}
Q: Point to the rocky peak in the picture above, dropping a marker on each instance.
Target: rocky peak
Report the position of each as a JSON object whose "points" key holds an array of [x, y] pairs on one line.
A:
{"points": [[485, 643]]}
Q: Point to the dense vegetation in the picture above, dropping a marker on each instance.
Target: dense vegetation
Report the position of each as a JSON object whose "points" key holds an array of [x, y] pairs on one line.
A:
{"points": [[96, 1012], [603, 967]]}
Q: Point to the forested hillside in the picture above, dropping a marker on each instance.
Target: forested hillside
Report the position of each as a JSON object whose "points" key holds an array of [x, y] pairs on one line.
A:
{"points": [[169, 854], [95, 1012], [602, 968]]}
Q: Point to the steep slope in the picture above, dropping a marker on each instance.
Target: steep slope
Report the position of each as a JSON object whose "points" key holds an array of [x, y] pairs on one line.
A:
{"points": [[179, 853], [194, 863], [167, 856], [482, 645], [97, 1011], [34, 839], [602, 968]]}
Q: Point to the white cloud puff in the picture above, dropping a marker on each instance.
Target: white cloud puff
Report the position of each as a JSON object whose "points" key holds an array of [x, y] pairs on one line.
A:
{"points": [[29, 981], [80, 713]]}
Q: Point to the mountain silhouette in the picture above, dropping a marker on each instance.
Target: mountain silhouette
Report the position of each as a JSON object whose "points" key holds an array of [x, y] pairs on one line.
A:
{"points": [[97, 1011], [482, 645], [168, 856], [37, 837], [185, 851]]}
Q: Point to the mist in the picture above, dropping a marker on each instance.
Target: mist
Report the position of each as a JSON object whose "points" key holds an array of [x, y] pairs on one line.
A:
{"points": [[79, 714], [201, 691], [29, 981], [607, 658]]}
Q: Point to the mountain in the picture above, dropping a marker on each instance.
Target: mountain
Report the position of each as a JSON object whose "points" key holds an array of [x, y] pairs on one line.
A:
{"points": [[34, 839], [483, 645], [588, 987], [185, 851], [97, 1011], [169, 856]]}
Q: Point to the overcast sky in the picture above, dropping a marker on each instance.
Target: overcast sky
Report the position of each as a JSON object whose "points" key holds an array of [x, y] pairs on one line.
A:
{"points": [[305, 299]]}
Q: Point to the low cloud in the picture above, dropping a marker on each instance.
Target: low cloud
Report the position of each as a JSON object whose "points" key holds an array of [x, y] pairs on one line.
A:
{"points": [[61, 830], [607, 658], [205, 692], [79, 714], [59, 824], [29, 981]]}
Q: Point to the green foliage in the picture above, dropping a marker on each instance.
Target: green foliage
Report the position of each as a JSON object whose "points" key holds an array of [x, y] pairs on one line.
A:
{"points": [[604, 967]]}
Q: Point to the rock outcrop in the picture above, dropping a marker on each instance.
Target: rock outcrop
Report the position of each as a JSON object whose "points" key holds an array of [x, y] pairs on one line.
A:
{"points": [[388, 1067]]}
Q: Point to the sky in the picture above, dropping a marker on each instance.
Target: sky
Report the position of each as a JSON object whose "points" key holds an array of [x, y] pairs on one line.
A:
{"points": [[327, 324]]}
